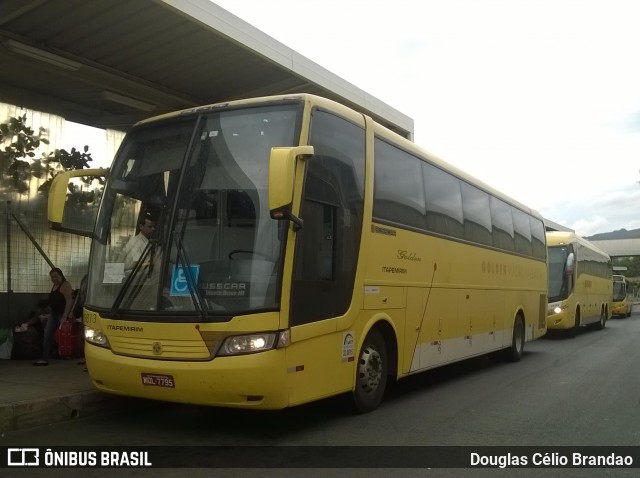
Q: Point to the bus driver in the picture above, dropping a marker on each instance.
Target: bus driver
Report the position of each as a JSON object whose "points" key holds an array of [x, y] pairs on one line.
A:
{"points": [[137, 244]]}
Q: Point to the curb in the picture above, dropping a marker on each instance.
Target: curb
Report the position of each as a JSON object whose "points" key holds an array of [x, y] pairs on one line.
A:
{"points": [[34, 413]]}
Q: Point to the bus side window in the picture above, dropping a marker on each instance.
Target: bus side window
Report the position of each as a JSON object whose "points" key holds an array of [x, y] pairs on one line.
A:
{"points": [[205, 205], [327, 246], [502, 223], [522, 232], [319, 251], [444, 201]]}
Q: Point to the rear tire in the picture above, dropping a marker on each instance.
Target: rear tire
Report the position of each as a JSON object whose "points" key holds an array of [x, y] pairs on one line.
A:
{"points": [[372, 371], [514, 353]]}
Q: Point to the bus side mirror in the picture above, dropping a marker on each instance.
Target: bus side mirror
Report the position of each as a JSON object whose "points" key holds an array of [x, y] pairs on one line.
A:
{"points": [[282, 172], [568, 269], [62, 215]]}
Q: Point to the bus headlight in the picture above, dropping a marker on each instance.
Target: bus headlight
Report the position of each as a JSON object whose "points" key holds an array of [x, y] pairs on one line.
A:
{"points": [[556, 308], [253, 343], [95, 337]]}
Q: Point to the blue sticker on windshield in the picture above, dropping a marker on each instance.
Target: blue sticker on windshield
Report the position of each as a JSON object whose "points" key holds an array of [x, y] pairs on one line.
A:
{"points": [[180, 281]]}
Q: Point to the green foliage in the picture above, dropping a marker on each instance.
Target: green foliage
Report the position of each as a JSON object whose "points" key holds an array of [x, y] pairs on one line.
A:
{"points": [[16, 158], [631, 263], [20, 160], [62, 160]]}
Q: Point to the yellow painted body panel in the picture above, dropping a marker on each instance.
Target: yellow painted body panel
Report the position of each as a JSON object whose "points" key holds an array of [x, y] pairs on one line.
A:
{"points": [[461, 299], [184, 351], [620, 308], [247, 381]]}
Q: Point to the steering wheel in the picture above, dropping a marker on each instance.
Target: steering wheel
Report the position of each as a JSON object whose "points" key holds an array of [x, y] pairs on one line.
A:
{"points": [[245, 251]]}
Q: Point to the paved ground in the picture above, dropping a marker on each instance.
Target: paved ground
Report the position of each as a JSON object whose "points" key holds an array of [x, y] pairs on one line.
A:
{"points": [[33, 396]]}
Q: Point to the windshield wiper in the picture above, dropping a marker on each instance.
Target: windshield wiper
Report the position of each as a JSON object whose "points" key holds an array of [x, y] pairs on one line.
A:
{"points": [[151, 245], [184, 261]]}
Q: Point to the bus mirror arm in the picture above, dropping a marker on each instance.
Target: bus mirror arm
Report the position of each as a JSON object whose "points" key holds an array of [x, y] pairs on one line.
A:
{"points": [[297, 223], [280, 214]]}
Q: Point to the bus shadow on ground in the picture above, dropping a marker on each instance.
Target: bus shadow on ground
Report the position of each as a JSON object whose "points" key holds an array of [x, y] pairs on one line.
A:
{"points": [[222, 426], [444, 374]]}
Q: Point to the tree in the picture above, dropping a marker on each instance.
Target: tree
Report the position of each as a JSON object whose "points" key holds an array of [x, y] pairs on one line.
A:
{"points": [[16, 159], [631, 263], [19, 160]]}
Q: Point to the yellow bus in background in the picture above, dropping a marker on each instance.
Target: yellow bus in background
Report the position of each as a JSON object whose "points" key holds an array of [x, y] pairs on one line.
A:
{"points": [[580, 283], [301, 251], [622, 297]]}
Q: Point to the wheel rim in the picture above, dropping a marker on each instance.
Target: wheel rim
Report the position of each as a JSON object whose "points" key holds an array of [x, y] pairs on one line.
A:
{"points": [[370, 370]]}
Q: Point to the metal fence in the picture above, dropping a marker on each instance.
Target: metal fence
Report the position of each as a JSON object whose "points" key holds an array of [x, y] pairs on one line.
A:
{"points": [[31, 249]]}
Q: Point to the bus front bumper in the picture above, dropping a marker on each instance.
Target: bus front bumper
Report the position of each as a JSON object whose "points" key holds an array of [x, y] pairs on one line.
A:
{"points": [[558, 316], [619, 309], [244, 381]]}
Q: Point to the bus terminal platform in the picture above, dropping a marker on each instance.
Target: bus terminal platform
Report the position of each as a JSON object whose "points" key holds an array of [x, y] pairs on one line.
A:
{"points": [[36, 396]]}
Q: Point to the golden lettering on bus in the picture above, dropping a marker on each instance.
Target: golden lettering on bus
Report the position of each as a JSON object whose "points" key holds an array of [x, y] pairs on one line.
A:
{"points": [[494, 268], [510, 270], [408, 256]]}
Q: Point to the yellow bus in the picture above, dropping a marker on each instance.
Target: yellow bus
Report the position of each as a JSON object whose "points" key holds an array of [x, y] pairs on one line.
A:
{"points": [[622, 298], [580, 283], [300, 251]]}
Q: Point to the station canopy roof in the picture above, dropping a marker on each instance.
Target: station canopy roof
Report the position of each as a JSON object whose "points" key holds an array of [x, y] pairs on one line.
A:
{"points": [[111, 63]]}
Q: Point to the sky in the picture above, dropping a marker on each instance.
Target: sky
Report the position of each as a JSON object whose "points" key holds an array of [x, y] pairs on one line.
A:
{"points": [[538, 98]]}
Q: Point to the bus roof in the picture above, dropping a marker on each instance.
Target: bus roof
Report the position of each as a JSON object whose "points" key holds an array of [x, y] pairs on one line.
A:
{"points": [[556, 238], [348, 112]]}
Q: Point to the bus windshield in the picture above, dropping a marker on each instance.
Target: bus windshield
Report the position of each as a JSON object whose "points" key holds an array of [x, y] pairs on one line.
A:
{"points": [[619, 290], [560, 279], [184, 223]]}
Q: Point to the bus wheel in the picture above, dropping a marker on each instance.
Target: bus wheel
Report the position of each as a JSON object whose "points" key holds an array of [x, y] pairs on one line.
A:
{"points": [[603, 320], [371, 373], [514, 353], [576, 327]]}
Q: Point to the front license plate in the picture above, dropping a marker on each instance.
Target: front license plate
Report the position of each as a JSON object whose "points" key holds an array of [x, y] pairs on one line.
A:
{"points": [[157, 380]]}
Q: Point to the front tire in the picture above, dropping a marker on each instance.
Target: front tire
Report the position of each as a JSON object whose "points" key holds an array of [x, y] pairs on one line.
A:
{"points": [[576, 327], [372, 371]]}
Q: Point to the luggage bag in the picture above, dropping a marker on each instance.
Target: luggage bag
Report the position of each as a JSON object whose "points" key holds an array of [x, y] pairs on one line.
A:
{"points": [[70, 340]]}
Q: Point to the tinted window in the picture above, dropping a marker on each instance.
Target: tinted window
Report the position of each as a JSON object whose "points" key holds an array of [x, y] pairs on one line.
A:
{"points": [[444, 201], [447, 205], [502, 223], [398, 193], [522, 232], [332, 203], [538, 238], [476, 213]]}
